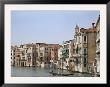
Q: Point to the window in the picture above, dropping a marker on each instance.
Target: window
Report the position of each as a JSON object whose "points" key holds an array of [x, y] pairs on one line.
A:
{"points": [[28, 54], [41, 54], [79, 39], [73, 50], [26, 51], [29, 59], [77, 50], [46, 48], [84, 61], [56, 49], [67, 50], [73, 45], [25, 63], [65, 46], [76, 61], [84, 51], [55, 54], [36, 54], [85, 65], [85, 38], [18, 55], [33, 54]]}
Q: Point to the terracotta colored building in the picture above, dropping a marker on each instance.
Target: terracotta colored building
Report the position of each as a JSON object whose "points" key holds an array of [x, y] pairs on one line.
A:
{"points": [[91, 47]]}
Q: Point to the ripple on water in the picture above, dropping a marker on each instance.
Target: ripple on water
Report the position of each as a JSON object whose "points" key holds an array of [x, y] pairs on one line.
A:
{"points": [[37, 72]]}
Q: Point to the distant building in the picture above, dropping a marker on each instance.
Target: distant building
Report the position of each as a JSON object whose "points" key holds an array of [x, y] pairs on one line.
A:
{"points": [[28, 55], [38, 54], [17, 57], [40, 50], [12, 56], [60, 52], [54, 52], [67, 53], [47, 54]]}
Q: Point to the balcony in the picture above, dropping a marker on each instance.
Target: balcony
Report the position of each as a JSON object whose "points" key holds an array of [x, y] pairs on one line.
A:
{"points": [[76, 55]]}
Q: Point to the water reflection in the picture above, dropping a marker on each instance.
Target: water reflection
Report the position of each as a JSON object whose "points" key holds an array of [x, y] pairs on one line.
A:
{"points": [[38, 72]]}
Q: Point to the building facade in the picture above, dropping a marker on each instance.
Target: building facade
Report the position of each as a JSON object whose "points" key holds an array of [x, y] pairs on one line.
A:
{"points": [[38, 54], [67, 53], [12, 56], [98, 45], [80, 54], [91, 48]]}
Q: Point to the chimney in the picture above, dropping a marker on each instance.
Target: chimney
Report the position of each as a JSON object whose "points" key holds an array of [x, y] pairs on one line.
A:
{"points": [[93, 25]]}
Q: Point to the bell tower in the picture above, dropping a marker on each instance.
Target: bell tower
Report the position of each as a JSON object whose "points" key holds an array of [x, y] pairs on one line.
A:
{"points": [[76, 29]]}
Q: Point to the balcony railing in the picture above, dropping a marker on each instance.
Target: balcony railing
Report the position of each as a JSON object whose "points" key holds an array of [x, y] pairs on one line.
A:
{"points": [[76, 55]]}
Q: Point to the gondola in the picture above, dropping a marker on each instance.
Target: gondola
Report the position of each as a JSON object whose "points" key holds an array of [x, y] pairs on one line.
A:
{"points": [[60, 74]]}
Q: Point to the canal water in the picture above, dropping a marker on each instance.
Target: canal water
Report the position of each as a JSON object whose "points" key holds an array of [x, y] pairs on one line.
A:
{"points": [[38, 72]]}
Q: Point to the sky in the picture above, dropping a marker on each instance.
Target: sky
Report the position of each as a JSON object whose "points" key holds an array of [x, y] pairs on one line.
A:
{"points": [[46, 26]]}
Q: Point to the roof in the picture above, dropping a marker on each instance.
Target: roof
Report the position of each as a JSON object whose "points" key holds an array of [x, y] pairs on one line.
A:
{"points": [[90, 30]]}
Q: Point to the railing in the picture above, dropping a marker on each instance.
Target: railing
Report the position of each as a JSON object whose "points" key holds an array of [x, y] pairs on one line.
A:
{"points": [[76, 55]]}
